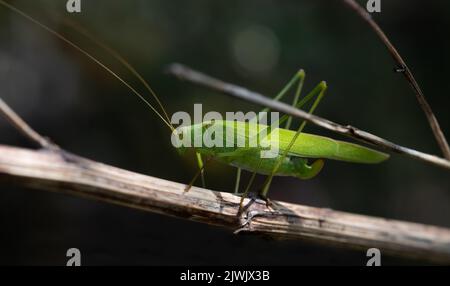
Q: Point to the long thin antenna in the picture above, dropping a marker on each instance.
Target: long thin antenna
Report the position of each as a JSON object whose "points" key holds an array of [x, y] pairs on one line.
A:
{"points": [[61, 37], [118, 57]]}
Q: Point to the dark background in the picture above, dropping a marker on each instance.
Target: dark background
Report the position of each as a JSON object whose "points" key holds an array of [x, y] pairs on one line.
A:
{"points": [[257, 44]]}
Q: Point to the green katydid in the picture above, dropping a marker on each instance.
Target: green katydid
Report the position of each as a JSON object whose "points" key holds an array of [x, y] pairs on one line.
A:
{"points": [[295, 147]]}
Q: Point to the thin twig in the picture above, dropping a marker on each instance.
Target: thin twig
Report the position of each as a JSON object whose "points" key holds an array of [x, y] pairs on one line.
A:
{"points": [[24, 128], [186, 73], [67, 173], [403, 67]]}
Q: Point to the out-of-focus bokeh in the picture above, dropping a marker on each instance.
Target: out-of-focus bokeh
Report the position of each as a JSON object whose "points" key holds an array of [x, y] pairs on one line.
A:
{"points": [[256, 44]]}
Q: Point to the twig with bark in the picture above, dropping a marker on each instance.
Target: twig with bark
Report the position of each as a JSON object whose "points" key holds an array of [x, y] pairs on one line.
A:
{"points": [[63, 172], [193, 76]]}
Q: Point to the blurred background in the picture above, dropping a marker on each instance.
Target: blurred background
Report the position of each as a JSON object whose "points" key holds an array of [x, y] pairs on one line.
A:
{"points": [[256, 44]]}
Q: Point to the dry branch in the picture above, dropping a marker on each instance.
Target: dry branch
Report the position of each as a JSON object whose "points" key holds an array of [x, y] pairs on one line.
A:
{"points": [[188, 74], [59, 171], [406, 71], [23, 127]]}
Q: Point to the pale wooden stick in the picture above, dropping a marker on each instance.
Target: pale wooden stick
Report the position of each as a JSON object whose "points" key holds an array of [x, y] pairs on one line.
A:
{"points": [[23, 127], [67, 173]]}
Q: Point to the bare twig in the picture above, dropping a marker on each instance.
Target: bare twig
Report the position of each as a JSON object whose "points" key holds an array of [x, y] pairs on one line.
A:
{"points": [[185, 73], [67, 173], [23, 127], [403, 67]]}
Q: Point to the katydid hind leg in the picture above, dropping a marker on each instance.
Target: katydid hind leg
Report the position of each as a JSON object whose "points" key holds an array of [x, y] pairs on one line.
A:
{"points": [[247, 190], [298, 92], [300, 77], [320, 90]]}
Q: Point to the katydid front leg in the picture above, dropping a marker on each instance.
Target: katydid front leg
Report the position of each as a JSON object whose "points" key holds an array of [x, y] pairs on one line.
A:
{"points": [[201, 166], [199, 172]]}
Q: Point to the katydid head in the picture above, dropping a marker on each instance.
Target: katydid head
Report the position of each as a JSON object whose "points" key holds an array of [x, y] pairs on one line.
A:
{"points": [[189, 136], [192, 136]]}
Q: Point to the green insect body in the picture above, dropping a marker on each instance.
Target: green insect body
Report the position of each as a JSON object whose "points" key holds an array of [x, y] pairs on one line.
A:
{"points": [[295, 164]]}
